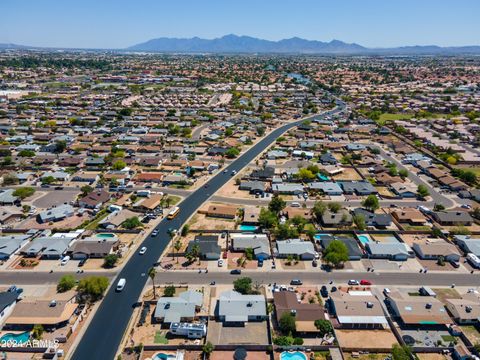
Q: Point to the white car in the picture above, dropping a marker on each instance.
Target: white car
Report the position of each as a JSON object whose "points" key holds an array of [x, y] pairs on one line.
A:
{"points": [[155, 232], [317, 255], [65, 260], [220, 262], [353, 282], [143, 250]]}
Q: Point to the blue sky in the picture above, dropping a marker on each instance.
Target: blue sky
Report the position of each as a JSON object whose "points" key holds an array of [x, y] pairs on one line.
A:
{"points": [[121, 23]]}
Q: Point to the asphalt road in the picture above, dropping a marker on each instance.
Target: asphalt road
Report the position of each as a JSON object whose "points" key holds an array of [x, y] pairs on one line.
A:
{"points": [[103, 336], [322, 277]]}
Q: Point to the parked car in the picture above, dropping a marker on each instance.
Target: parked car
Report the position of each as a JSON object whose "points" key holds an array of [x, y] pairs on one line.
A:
{"points": [[65, 260], [314, 263], [234, 172], [455, 264], [143, 250], [236, 272], [295, 204], [296, 282], [82, 262], [121, 284], [365, 282], [353, 282], [154, 233], [324, 291], [220, 262], [386, 291]]}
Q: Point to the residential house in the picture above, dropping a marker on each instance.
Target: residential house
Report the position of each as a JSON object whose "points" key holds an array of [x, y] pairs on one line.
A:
{"points": [[47, 247], [328, 188], [114, 220], [305, 314], [404, 190], [410, 216], [432, 250], [95, 199], [92, 248], [354, 252], [340, 218], [468, 244], [303, 250], [8, 300], [181, 308], [452, 218], [380, 221], [357, 309], [395, 251], [259, 243], [465, 310], [56, 213], [418, 310], [208, 246], [235, 308], [10, 244], [222, 211]]}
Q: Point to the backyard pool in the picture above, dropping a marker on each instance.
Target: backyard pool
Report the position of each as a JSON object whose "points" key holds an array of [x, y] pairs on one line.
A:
{"points": [[296, 355], [248, 227], [106, 235], [163, 356], [16, 339], [364, 239]]}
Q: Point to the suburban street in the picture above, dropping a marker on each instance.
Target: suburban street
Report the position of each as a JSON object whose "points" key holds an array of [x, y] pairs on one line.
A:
{"points": [[111, 320]]}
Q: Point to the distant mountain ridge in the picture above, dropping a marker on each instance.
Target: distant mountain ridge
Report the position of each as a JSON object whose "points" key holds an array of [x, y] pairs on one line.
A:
{"points": [[250, 45], [246, 44]]}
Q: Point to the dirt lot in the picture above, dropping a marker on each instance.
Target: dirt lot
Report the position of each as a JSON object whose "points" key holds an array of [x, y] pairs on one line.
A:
{"points": [[231, 190], [68, 223], [347, 174], [202, 222], [432, 356], [365, 339], [227, 355], [471, 333], [251, 333]]}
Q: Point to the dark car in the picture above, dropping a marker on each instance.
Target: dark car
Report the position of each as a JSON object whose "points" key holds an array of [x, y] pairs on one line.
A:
{"points": [[324, 291], [314, 263], [455, 264], [58, 187], [296, 282], [236, 272], [82, 262]]}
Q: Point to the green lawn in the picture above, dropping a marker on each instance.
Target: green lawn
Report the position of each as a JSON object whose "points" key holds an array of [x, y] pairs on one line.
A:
{"points": [[174, 199], [160, 338], [392, 117], [448, 338]]}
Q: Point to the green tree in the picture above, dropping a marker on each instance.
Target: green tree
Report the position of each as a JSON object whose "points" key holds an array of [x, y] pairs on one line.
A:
{"points": [[48, 180], [152, 272], [177, 246], [86, 189], [169, 291], [401, 352], [37, 331], [336, 253], [10, 179], [119, 165], [287, 323], [208, 349], [66, 282], [334, 207], [132, 223], [422, 191], [24, 192], [277, 204], [60, 146], [323, 326], [285, 231], [232, 153], [359, 221], [371, 203], [243, 285], [305, 175], [267, 219], [403, 173], [110, 261], [283, 341], [92, 288], [185, 230], [319, 209], [26, 153]]}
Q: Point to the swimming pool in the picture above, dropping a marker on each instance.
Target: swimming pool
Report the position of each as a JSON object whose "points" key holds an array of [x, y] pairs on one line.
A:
{"points": [[364, 239], [296, 355], [163, 356], [248, 227], [106, 235], [15, 338]]}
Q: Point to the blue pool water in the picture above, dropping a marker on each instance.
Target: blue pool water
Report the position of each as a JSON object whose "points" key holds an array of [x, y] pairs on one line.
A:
{"points": [[319, 236], [17, 338], [297, 355], [364, 239], [162, 356], [248, 227], [105, 235], [322, 177]]}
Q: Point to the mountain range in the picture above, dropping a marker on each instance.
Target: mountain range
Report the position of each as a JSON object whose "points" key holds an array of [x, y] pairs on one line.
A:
{"points": [[250, 45], [246, 44]]}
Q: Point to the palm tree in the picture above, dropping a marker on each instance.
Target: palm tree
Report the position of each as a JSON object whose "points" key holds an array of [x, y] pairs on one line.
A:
{"points": [[196, 252], [177, 246], [151, 274]]}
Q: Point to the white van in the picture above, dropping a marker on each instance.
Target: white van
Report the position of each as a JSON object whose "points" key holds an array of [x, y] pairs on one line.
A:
{"points": [[121, 284], [65, 260]]}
